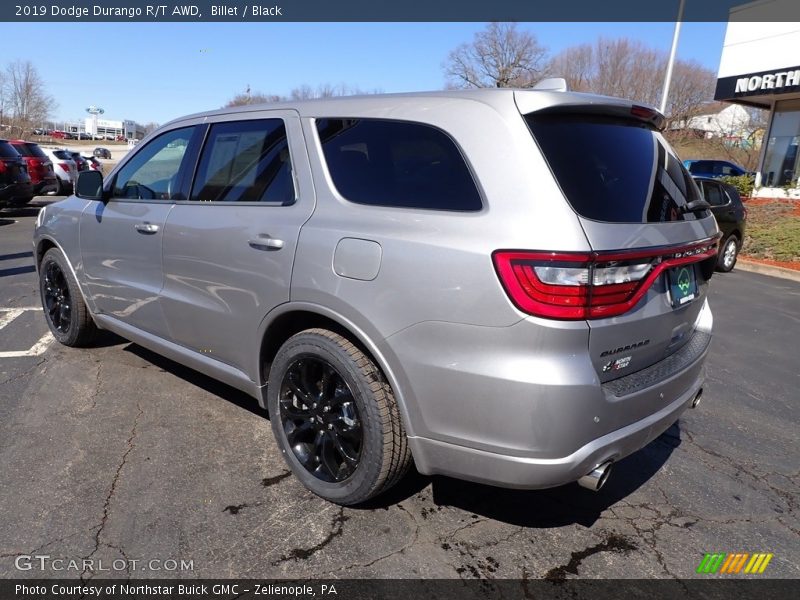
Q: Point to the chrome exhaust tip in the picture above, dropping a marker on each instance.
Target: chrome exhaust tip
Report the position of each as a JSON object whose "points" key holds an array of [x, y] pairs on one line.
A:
{"points": [[597, 478], [697, 398]]}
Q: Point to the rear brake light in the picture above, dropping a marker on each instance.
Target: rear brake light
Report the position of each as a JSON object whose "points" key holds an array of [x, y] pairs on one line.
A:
{"points": [[64, 166], [589, 285]]}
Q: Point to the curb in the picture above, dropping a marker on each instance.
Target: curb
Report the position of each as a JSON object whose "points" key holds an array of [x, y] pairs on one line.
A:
{"points": [[755, 267]]}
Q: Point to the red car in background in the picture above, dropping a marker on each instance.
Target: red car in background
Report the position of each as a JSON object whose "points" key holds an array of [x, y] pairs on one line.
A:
{"points": [[40, 167]]}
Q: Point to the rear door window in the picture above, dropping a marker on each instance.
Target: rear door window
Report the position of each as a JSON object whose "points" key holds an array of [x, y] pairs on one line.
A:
{"points": [[714, 194], [245, 161], [397, 163], [614, 170]]}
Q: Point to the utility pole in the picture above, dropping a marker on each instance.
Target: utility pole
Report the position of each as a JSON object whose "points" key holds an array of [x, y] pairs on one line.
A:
{"points": [[671, 62]]}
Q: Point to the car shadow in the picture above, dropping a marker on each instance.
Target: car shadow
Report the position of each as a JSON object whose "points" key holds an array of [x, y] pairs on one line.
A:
{"points": [[555, 507], [212, 386], [31, 209], [566, 505], [17, 271]]}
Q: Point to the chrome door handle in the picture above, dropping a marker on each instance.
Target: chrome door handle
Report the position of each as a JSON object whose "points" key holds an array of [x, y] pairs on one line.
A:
{"points": [[146, 228], [266, 243]]}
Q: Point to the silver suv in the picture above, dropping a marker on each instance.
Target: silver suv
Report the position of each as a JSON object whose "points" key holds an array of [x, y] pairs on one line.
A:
{"points": [[508, 286]]}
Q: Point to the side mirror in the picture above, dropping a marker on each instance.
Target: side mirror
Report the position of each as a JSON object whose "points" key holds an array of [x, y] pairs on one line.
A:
{"points": [[90, 186]]}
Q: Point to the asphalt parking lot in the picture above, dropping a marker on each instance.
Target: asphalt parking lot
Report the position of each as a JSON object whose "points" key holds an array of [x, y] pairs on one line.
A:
{"points": [[116, 453]]}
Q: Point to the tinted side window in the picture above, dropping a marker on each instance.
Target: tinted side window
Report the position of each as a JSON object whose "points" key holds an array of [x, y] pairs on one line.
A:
{"points": [[152, 174], [713, 194], [396, 163], [245, 161]]}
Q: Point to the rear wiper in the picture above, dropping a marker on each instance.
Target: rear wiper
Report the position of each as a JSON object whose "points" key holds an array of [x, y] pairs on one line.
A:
{"points": [[695, 206]]}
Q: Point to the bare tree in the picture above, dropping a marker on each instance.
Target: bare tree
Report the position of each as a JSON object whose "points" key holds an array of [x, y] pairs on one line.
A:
{"points": [[629, 69], [327, 90], [576, 66], [302, 92], [499, 56], [26, 101], [248, 97], [150, 127], [692, 87]]}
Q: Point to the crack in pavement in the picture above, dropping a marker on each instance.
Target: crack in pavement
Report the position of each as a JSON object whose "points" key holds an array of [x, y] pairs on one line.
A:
{"points": [[337, 527], [613, 543], [414, 539], [25, 373], [98, 383], [107, 504]]}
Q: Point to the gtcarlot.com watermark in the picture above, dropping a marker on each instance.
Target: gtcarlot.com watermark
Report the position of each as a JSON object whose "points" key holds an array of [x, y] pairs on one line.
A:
{"points": [[45, 562]]}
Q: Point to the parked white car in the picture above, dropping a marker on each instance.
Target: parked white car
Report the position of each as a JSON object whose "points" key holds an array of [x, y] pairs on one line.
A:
{"points": [[65, 169]]}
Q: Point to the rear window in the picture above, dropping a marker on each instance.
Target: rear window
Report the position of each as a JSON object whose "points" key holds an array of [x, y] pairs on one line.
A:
{"points": [[62, 154], [614, 170], [7, 150], [29, 149], [397, 163]]}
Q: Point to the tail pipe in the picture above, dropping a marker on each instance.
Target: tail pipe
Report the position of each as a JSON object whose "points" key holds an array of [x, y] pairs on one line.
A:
{"points": [[597, 478], [697, 398]]}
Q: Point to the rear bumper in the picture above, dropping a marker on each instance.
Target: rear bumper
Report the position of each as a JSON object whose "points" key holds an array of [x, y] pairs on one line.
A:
{"points": [[434, 457], [545, 420], [45, 186], [16, 190]]}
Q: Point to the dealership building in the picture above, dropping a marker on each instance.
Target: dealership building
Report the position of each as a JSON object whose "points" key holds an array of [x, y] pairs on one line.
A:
{"points": [[760, 67], [128, 129]]}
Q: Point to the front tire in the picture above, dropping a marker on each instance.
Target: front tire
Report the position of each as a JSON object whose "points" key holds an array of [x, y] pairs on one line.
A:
{"points": [[64, 310], [728, 254], [335, 418]]}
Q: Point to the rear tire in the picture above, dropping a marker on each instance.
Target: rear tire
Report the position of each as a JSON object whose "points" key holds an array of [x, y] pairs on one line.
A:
{"points": [[335, 418], [64, 310], [729, 252], [63, 188]]}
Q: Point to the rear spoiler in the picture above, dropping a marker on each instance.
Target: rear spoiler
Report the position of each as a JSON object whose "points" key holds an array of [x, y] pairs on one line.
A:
{"points": [[636, 112], [551, 98]]}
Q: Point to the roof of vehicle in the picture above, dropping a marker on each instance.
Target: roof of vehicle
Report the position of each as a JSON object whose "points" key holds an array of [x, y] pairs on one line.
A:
{"points": [[527, 100]]}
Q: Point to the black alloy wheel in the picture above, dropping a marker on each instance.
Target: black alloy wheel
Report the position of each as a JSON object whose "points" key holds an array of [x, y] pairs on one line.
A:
{"points": [[57, 298], [335, 417], [66, 313], [320, 419]]}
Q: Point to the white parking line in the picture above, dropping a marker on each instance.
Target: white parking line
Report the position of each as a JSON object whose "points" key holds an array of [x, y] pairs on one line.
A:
{"points": [[9, 314]]}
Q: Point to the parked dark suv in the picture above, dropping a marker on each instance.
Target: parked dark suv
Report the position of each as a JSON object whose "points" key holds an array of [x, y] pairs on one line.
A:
{"points": [[726, 204], [15, 183], [40, 167], [714, 168]]}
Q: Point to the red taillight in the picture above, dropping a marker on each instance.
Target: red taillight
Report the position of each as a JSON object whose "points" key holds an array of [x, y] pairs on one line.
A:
{"points": [[588, 285], [64, 166], [2, 166]]}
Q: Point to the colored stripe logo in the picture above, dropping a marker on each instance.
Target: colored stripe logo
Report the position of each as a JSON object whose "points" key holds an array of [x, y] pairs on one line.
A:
{"points": [[734, 563]]}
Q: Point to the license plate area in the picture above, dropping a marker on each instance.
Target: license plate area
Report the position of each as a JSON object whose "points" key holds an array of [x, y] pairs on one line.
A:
{"points": [[682, 282]]}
